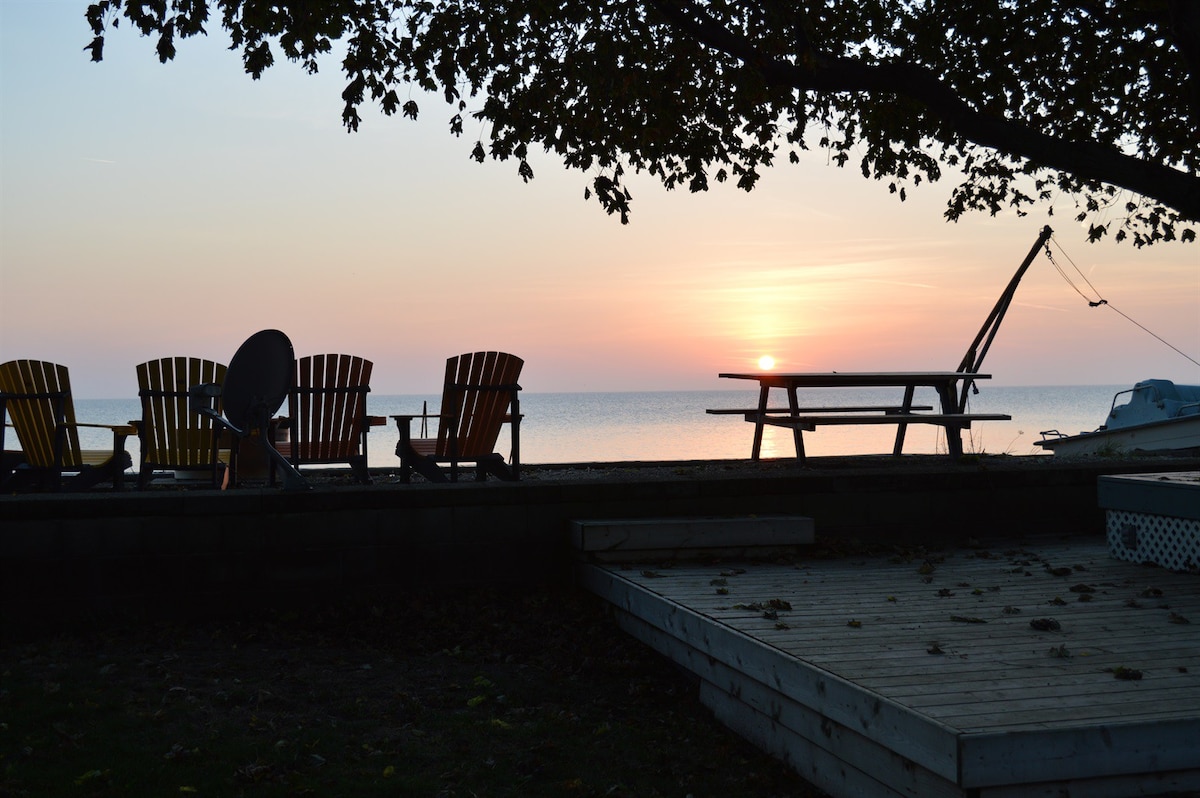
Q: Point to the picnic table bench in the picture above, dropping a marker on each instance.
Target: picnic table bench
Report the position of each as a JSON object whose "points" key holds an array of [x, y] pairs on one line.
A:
{"points": [[951, 417]]}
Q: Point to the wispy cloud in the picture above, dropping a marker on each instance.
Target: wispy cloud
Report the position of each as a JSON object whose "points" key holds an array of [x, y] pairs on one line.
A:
{"points": [[1036, 306], [896, 282]]}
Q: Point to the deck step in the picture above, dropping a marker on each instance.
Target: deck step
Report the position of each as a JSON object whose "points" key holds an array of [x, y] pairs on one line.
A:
{"points": [[628, 539]]}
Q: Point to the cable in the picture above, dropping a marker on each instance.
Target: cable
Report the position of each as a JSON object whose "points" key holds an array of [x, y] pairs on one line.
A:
{"points": [[1099, 300]]}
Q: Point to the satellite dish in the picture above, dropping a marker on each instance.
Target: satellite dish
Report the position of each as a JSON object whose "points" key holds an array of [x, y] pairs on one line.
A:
{"points": [[257, 380], [256, 384]]}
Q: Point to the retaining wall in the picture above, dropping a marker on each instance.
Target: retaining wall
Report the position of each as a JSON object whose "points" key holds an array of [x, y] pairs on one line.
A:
{"points": [[197, 553]]}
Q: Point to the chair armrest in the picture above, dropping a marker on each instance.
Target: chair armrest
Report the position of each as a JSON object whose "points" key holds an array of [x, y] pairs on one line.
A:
{"points": [[412, 417], [120, 433], [376, 421], [118, 429]]}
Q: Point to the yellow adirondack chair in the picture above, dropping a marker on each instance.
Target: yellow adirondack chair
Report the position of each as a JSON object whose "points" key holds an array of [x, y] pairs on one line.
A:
{"points": [[327, 419], [35, 398], [479, 396], [172, 436]]}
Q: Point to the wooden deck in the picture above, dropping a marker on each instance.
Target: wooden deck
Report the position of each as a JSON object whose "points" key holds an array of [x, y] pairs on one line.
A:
{"points": [[920, 674]]}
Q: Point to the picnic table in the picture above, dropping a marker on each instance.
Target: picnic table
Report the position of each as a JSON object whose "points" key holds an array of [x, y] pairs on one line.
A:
{"points": [[949, 385]]}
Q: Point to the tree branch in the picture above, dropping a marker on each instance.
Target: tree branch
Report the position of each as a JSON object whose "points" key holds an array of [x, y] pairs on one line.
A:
{"points": [[1183, 21], [817, 71], [1083, 159]]}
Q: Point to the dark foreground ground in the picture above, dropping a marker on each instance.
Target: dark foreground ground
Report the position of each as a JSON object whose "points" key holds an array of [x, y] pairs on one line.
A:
{"points": [[479, 693]]}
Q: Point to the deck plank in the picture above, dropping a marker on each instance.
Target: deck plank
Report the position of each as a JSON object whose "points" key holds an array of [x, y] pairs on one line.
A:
{"points": [[994, 692]]}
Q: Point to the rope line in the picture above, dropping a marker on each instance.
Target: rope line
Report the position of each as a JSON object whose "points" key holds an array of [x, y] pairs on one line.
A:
{"points": [[1099, 300]]}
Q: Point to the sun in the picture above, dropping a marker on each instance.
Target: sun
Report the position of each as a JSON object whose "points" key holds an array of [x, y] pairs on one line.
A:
{"points": [[766, 362]]}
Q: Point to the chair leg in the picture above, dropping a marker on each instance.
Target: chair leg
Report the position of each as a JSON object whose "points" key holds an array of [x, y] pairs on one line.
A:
{"points": [[496, 466], [358, 467], [411, 461], [9, 461], [429, 469]]}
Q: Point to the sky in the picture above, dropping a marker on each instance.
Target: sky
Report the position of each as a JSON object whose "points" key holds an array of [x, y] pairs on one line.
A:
{"points": [[152, 210]]}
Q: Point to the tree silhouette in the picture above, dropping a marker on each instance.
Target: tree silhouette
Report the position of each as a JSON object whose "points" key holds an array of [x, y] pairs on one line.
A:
{"points": [[1023, 102]]}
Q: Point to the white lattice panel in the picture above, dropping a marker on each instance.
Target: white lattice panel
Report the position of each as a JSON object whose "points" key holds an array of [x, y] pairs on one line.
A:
{"points": [[1160, 539]]}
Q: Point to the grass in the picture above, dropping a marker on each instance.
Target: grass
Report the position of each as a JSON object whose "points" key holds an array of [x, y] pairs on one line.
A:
{"points": [[478, 694]]}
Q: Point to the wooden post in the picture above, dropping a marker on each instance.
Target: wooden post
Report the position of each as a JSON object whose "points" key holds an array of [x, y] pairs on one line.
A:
{"points": [[979, 347]]}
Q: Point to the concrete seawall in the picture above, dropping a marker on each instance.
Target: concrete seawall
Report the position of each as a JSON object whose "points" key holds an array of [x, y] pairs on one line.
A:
{"points": [[182, 554]]}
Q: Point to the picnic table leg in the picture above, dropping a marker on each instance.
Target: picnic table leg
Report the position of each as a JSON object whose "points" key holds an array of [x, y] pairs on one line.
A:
{"points": [[797, 433], [954, 441], [901, 428], [953, 432], [756, 449]]}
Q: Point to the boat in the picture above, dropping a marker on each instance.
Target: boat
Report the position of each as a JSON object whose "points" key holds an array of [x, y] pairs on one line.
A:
{"points": [[1156, 416]]}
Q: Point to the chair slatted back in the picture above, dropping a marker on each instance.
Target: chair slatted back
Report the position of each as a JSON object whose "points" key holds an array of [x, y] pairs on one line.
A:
{"points": [[37, 400], [480, 391], [328, 407], [172, 436]]}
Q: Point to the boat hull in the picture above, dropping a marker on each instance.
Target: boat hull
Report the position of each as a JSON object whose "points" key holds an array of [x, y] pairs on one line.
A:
{"points": [[1167, 435]]}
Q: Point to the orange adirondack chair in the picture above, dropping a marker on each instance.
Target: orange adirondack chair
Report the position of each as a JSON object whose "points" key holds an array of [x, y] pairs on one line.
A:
{"points": [[480, 395], [327, 419], [172, 436], [35, 398]]}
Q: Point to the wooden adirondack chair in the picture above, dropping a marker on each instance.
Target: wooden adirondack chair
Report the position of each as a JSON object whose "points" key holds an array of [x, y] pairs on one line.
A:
{"points": [[479, 396], [172, 435], [35, 398], [327, 419]]}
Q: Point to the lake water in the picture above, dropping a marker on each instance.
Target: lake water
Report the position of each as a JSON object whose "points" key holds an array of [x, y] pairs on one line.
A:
{"points": [[617, 427]]}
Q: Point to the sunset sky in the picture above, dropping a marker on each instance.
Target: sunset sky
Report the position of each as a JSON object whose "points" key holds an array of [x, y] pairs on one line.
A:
{"points": [[149, 210]]}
